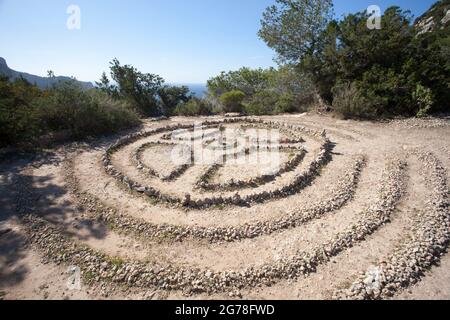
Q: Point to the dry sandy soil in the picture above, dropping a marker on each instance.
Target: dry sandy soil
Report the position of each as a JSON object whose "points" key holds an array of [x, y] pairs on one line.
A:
{"points": [[370, 222]]}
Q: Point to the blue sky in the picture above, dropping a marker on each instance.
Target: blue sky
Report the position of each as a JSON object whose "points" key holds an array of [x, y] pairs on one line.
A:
{"points": [[184, 41]]}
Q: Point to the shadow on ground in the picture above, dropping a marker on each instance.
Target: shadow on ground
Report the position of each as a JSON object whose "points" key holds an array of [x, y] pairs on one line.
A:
{"points": [[22, 193]]}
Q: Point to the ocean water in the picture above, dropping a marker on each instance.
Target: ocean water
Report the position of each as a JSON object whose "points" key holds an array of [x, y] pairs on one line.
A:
{"points": [[197, 89]]}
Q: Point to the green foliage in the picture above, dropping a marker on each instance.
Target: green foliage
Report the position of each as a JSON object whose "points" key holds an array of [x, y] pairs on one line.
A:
{"points": [[360, 48], [423, 97], [348, 102], [249, 81], [232, 101], [172, 96], [354, 53], [17, 119], [61, 108], [146, 92], [266, 91], [193, 107], [322, 66], [293, 27], [83, 113], [388, 91], [382, 72], [117, 261], [379, 93], [105, 86], [27, 113], [269, 102], [293, 88], [262, 103], [388, 65], [88, 276], [428, 61], [139, 89], [286, 104]]}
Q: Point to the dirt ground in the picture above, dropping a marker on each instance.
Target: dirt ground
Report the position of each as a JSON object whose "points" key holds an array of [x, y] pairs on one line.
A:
{"points": [[43, 185]]}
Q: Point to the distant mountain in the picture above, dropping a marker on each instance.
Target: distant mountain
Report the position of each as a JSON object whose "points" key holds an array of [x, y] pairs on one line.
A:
{"points": [[41, 82]]}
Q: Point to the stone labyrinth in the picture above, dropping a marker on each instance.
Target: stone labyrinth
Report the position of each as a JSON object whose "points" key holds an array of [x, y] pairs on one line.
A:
{"points": [[227, 207]]}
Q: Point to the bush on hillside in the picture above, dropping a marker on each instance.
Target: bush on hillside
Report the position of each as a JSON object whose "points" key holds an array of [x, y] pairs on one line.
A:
{"points": [[232, 101], [286, 88], [82, 113], [145, 92], [262, 103], [423, 97], [171, 96], [286, 103], [27, 113], [17, 118], [194, 107], [247, 80], [348, 102], [385, 72]]}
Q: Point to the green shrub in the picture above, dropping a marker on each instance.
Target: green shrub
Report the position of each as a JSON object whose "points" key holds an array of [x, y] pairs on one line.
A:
{"points": [[146, 92], [17, 119], [379, 93], [172, 96], [292, 88], [138, 88], [193, 107], [396, 70], [348, 102], [262, 103], [286, 104], [105, 115], [429, 58], [245, 79], [423, 97], [27, 113], [232, 101], [82, 113]]}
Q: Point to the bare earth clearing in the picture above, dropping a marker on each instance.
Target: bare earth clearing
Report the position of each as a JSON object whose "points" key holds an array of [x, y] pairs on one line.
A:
{"points": [[358, 211]]}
